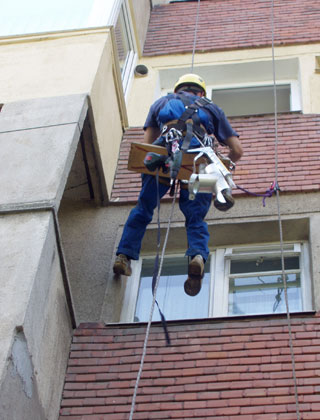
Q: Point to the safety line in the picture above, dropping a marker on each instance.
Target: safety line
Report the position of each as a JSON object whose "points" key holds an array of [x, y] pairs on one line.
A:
{"points": [[144, 351], [268, 193], [195, 36], [156, 264], [279, 218]]}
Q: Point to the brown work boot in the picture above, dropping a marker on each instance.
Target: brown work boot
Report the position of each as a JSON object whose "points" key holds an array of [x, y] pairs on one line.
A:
{"points": [[193, 283], [122, 265]]}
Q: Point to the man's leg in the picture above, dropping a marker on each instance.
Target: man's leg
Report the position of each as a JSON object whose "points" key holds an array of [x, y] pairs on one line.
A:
{"points": [[137, 222], [198, 237], [197, 230]]}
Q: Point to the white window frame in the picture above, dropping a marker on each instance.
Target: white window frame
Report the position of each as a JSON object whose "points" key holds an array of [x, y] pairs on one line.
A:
{"points": [[131, 59], [241, 75], [220, 260], [131, 292], [295, 96]]}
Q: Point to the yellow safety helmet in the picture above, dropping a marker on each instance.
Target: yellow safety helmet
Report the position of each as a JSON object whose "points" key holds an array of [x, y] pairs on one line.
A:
{"points": [[190, 79]]}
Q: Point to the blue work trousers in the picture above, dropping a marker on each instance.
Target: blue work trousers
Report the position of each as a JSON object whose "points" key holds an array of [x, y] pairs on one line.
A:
{"points": [[141, 215]]}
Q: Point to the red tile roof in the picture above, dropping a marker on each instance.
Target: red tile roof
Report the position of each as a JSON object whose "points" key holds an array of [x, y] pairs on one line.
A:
{"points": [[231, 24], [227, 369], [298, 156]]}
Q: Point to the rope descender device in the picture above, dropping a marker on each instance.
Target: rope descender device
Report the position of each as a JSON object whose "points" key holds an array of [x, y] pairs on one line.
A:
{"points": [[212, 178]]}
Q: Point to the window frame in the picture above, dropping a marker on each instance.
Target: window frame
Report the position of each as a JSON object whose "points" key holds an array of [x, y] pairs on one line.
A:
{"points": [[122, 6], [294, 99], [223, 257], [220, 259], [295, 96], [242, 74]]}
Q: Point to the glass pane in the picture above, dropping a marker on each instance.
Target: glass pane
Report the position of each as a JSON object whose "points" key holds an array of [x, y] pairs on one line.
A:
{"points": [[263, 264], [173, 301], [122, 39], [264, 294], [247, 101]]}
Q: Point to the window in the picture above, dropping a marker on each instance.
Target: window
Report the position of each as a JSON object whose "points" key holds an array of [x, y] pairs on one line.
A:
{"points": [[256, 283], [125, 45], [238, 281], [170, 291], [252, 100], [245, 88]]}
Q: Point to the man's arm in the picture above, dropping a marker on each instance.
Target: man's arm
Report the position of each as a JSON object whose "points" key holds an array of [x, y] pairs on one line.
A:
{"points": [[151, 134], [235, 147]]}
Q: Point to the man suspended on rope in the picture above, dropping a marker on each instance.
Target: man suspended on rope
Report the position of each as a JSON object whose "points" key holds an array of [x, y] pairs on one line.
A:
{"points": [[188, 111]]}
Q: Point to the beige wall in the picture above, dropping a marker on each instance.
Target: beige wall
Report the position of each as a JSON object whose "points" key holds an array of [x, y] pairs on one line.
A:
{"points": [[141, 15], [49, 65], [69, 63], [107, 114], [144, 90]]}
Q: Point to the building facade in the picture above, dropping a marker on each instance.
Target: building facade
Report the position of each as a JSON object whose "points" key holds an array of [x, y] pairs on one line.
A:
{"points": [[74, 99], [229, 356], [65, 76]]}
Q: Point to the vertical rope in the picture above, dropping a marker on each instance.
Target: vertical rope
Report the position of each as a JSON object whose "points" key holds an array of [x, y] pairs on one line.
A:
{"points": [[284, 279], [195, 36], [144, 351]]}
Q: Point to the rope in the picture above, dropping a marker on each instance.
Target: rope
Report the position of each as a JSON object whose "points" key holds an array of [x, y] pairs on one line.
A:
{"points": [[273, 187], [279, 218], [144, 351], [156, 264], [195, 36], [155, 286]]}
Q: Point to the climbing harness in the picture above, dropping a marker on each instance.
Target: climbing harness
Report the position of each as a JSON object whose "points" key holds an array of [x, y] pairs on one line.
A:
{"points": [[173, 138], [189, 122], [177, 136]]}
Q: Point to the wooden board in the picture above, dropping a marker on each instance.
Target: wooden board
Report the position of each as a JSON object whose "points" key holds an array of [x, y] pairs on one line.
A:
{"points": [[138, 152]]}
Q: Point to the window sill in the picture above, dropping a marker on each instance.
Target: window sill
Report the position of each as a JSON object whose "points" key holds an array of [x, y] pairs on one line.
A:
{"points": [[225, 319]]}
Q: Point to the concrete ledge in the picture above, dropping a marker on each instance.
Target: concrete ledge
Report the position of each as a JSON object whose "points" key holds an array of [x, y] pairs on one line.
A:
{"points": [[35, 317], [38, 141], [43, 112]]}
